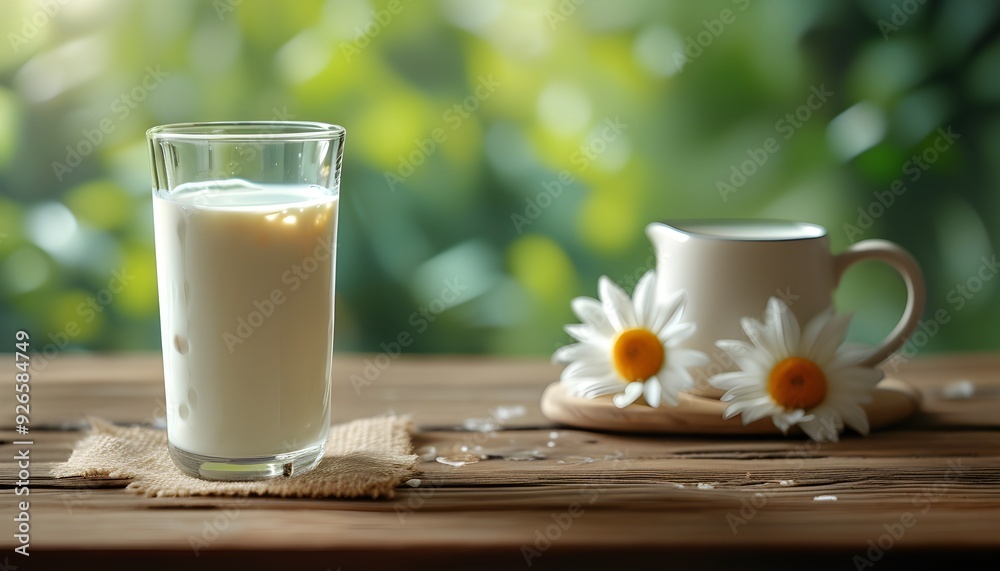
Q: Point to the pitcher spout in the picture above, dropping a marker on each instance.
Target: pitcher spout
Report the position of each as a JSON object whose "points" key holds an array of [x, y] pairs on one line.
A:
{"points": [[661, 235]]}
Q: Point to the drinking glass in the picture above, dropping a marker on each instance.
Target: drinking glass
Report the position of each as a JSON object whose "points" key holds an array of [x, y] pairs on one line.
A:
{"points": [[245, 222]]}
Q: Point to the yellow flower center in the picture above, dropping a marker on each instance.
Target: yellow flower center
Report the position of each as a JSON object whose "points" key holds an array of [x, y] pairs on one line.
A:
{"points": [[796, 383], [638, 354]]}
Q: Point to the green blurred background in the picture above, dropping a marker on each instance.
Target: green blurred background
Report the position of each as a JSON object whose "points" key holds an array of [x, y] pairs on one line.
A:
{"points": [[516, 148]]}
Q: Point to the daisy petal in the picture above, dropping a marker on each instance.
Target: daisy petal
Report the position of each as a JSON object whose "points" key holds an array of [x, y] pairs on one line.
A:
{"points": [[591, 312], [825, 426], [817, 433], [729, 413], [746, 356], [726, 381], [759, 334], [680, 378], [785, 326], [647, 311], [762, 409], [745, 404], [757, 408], [673, 382], [812, 330], [828, 337], [617, 304], [581, 332], [596, 388], [785, 420], [855, 417], [632, 392], [572, 352], [673, 335], [651, 392], [771, 332], [671, 311], [744, 392], [670, 397], [586, 369], [686, 358], [849, 354]]}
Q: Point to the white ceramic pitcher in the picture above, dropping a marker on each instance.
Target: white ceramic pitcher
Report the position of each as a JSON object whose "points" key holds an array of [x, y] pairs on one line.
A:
{"points": [[730, 268]]}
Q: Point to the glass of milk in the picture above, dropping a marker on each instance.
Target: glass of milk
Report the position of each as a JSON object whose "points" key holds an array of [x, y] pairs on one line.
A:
{"points": [[245, 218]]}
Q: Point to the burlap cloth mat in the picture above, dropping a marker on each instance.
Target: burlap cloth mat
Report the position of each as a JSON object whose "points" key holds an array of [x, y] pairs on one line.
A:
{"points": [[364, 458]]}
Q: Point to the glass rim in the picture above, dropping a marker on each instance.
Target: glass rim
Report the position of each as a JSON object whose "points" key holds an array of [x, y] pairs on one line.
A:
{"points": [[247, 131]]}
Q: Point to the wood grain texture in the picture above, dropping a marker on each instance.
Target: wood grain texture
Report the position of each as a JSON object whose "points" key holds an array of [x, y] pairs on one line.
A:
{"points": [[603, 499]]}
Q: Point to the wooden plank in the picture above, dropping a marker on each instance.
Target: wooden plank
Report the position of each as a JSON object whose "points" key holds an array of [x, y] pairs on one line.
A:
{"points": [[436, 391], [594, 454]]}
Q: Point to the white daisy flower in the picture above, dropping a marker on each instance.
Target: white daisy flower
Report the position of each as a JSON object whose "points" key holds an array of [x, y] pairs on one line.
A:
{"points": [[629, 347], [808, 377]]}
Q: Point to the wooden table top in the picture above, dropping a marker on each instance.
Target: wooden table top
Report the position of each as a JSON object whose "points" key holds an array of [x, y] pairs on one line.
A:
{"points": [[925, 492]]}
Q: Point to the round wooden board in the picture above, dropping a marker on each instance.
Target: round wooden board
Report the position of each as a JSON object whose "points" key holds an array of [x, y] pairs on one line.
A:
{"points": [[893, 401]]}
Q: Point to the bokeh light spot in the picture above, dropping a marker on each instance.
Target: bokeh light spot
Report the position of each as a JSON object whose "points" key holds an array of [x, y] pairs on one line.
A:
{"points": [[52, 226], [100, 204], [137, 275], [607, 222], [25, 269], [73, 317], [563, 108], [541, 266], [655, 48], [856, 130], [303, 57], [9, 126]]}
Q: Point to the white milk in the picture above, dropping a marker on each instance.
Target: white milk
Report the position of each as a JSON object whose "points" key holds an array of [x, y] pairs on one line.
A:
{"points": [[246, 276]]}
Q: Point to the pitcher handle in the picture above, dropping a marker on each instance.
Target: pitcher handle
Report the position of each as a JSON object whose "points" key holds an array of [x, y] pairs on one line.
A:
{"points": [[916, 291]]}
